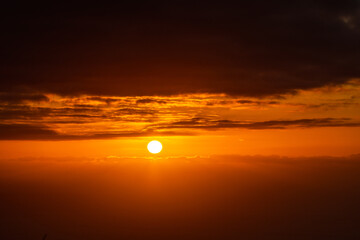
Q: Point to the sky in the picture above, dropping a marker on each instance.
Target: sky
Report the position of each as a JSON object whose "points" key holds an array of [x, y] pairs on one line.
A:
{"points": [[221, 197], [248, 96], [254, 74]]}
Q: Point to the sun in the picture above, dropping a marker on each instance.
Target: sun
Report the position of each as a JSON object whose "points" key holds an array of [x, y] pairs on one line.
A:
{"points": [[154, 146]]}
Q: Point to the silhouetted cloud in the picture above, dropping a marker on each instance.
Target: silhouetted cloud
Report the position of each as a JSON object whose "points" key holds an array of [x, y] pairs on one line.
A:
{"points": [[149, 100], [23, 112], [11, 98], [107, 100], [245, 101], [26, 132], [26, 112], [130, 111], [251, 48], [45, 133]]}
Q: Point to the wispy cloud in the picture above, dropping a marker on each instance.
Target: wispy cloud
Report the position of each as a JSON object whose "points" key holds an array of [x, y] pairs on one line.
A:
{"points": [[53, 117], [201, 123]]}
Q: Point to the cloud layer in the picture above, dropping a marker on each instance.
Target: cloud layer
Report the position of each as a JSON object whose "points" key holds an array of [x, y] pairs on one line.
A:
{"points": [[53, 117]]}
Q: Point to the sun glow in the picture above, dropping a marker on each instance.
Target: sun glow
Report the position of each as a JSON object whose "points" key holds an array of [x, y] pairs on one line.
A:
{"points": [[154, 147]]}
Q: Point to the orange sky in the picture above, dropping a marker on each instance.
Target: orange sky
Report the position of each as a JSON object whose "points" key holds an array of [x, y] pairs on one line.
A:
{"points": [[322, 121], [208, 198]]}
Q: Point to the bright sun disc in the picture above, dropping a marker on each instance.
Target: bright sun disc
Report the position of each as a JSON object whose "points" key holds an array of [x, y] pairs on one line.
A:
{"points": [[154, 147]]}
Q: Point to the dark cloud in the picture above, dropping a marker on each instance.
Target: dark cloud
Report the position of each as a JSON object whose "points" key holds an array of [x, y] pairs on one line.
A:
{"points": [[134, 111], [207, 124], [252, 48], [42, 132], [107, 100], [74, 112], [149, 100], [23, 112], [10, 98], [26, 132], [26, 112], [244, 101], [45, 133]]}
